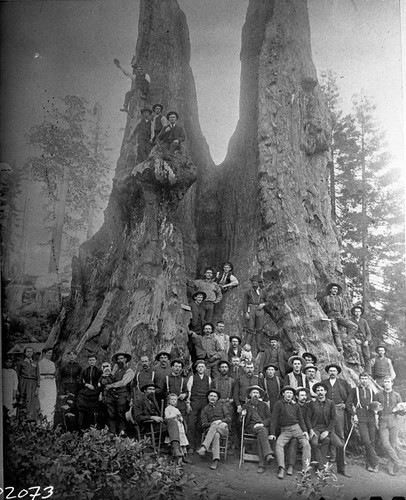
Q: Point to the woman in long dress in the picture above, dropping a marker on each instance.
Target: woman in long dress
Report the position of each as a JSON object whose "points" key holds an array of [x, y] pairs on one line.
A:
{"points": [[28, 385], [47, 387]]}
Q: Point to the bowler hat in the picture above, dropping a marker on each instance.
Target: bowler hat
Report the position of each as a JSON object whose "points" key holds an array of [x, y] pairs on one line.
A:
{"points": [[293, 358], [257, 387], [274, 365], [148, 384], [221, 362], [172, 113], [177, 360], [333, 365], [318, 384], [288, 388], [330, 285], [302, 389], [127, 356], [357, 306], [235, 337], [200, 361], [309, 365], [380, 346], [156, 105], [160, 354], [310, 354], [213, 390], [199, 293]]}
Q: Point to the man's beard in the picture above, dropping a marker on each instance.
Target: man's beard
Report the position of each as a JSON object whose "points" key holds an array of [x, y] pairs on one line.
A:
{"points": [[150, 396]]}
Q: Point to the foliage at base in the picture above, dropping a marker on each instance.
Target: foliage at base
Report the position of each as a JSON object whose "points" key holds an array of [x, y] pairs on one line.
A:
{"points": [[94, 465], [315, 486]]}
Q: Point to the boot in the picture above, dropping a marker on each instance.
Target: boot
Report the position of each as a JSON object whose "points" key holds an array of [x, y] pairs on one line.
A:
{"points": [[281, 473], [289, 470]]}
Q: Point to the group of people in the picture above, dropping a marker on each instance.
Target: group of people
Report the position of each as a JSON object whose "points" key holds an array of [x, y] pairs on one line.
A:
{"points": [[153, 127]]}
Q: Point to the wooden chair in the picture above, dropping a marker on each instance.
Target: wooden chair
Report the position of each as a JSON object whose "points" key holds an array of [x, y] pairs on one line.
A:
{"points": [[223, 444], [249, 446], [150, 430]]}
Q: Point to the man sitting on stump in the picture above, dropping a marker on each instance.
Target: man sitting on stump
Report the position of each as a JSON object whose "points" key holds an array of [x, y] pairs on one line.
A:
{"points": [[171, 136]]}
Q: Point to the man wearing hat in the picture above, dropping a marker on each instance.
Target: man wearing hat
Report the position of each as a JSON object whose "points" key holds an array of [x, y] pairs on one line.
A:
{"points": [[381, 366], [235, 347], [254, 302], [158, 122], [321, 420], [257, 421], [171, 136], [358, 405], [197, 385], [389, 423], [271, 384], [311, 371], [161, 371], [212, 291], [117, 392], [142, 376], [146, 407], [274, 355], [245, 380], [363, 337], [287, 417], [333, 305], [143, 129], [295, 378], [311, 359], [198, 312], [141, 80], [215, 417], [176, 384], [207, 348], [337, 390]]}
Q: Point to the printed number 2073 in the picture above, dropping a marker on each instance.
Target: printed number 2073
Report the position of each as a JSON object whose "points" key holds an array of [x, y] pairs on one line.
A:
{"points": [[33, 492]]}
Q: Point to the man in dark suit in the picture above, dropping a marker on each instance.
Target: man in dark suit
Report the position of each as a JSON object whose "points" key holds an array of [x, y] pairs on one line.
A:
{"points": [[274, 355], [171, 136]]}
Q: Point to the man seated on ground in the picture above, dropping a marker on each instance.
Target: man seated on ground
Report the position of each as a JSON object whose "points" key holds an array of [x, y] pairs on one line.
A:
{"points": [[288, 417], [321, 420], [257, 418], [215, 417], [295, 378], [389, 423], [271, 384], [171, 136], [358, 405]]}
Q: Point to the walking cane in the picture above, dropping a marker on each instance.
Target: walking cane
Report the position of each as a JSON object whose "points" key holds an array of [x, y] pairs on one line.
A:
{"points": [[242, 441], [348, 438], [160, 428]]}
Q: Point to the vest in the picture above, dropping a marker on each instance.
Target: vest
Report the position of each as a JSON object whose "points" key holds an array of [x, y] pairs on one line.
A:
{"points": [[199, 387], [174, 384], [381, 367], [293, 380], [119, 374]]}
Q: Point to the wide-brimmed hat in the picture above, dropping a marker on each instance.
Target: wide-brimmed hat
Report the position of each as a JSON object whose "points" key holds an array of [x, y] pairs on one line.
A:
{"points": [[330, 285], [252, 387], [172, 113], [156, 105], [235, 337], [302, 389], [199, 293], [309, 365], [357, 306], [314, 358], [143, 110], [210, 324], [127, 357], [200, 361], [274, 365], [213, 390], [288, 388], [160, 354], [148, 384], [318, 384], [380, 346], [333, 365], [221, 362], [177, 360], [293, 358], [256, 277]]}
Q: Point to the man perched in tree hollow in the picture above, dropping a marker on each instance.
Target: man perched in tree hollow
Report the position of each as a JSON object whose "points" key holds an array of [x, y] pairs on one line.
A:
{"points": [[333, 305]]}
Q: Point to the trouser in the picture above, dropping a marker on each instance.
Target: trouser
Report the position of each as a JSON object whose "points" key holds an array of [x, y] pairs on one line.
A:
{"points": [[128, 96], [208, 309], [194, 424], [86, 418], [389, 430], [144, 148], [287, 433], [320, 447], [255, 325], [340, 321], [116, 409], [367, 432], [264, 448], [213, 438]]}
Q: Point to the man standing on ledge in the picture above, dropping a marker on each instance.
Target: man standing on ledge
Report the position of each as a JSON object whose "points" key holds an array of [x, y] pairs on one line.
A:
{"points": [[253, 307], [333, 305], [212, 291]]}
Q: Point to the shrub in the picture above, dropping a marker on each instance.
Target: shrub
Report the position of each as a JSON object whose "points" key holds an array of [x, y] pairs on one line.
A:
{"points": [[94, 465], [321, 485]]}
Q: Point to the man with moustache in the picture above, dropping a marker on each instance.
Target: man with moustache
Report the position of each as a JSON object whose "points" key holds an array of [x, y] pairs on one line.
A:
{"points": [[254, 302], [142, 376], [257, 421], [215, 417], [321, 421], [311, 359], [295, 378], [358, 405], [242, 383], [222, 338], [271, 384], [212, 291], [274, 355], [160, 373], [198, 312], [207, 348], [224, 384], [117, 393], [176, 384], [311, 372], [234, 350], [287, 416], [363, 337]]}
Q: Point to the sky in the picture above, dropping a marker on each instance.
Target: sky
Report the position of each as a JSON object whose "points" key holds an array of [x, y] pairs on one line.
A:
{"points": [[53, 48]]}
